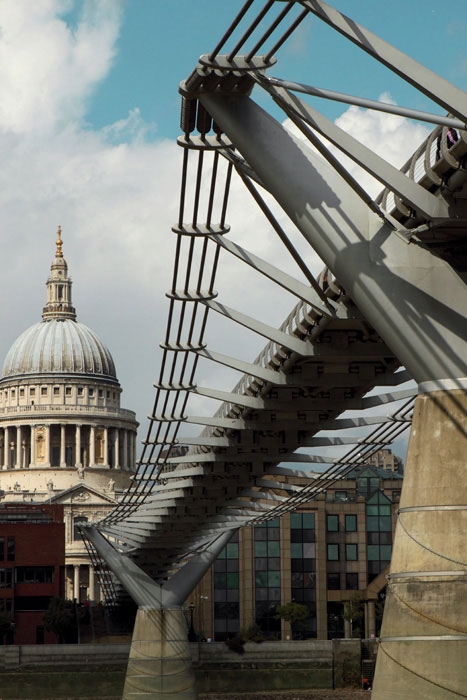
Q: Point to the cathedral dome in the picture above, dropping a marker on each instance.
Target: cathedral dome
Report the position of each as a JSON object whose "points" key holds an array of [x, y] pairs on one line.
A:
{"points": [[58, 345]]}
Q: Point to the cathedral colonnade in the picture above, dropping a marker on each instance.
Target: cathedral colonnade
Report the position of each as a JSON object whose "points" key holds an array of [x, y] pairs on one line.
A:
{"points": [[75, 445], [81, 583]]}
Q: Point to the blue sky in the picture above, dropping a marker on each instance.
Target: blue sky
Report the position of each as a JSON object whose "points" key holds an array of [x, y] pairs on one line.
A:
{"points": [[89, 114], [160, 41]]}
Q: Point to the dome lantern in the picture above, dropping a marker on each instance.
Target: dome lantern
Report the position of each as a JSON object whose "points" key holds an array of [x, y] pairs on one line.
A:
{"points": [[58, 304]]}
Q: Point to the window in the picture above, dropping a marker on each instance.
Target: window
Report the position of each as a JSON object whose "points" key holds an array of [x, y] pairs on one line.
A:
{"points": [[351, 552], [21, 391], [68, 391], [56, 390], [379, 534], [13, 393], [333, 552], [34, 574], [6, 578], [101, 393], [43, 391], [2, 549], [11, 548], [334, 582], [6, 605], [79, 520], [32, 391], [351, 582], [267, 575], [91, 392], [341, 496], [332, 523], [226, 591], [80, 391]]}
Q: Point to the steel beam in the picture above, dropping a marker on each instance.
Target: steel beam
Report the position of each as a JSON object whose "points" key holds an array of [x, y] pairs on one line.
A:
{"points": [[414, 300]]}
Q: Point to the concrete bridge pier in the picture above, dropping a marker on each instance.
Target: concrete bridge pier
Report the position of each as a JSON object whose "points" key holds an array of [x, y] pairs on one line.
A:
{"points": [[159, 665], [424, 634]]}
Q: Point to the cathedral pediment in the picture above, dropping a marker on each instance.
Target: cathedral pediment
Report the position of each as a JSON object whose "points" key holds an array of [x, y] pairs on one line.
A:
{"points": [[81, 493]]}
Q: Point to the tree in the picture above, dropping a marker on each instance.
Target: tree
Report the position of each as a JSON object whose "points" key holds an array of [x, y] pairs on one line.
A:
{"points": [[6, 622], [353, 611], [60, 619], [293, 613]]}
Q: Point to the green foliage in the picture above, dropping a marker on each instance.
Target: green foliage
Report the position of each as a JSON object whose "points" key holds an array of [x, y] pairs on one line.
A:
{"points": [[6, 620], [353, 613], [253, 633], [236, 644], [292, 612], [60, 618]]}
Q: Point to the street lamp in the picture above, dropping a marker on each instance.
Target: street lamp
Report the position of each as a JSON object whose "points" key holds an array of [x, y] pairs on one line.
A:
{"points": [[202, 598]]}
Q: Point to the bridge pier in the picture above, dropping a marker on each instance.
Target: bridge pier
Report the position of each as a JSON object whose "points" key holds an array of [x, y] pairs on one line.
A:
{"points": [[159, 665], [424, 633]]}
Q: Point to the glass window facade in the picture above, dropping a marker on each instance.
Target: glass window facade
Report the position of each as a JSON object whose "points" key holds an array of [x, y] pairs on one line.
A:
{"points": [[267, 576], [303, 569], [11, 548], [379, 534], [227, 591]]}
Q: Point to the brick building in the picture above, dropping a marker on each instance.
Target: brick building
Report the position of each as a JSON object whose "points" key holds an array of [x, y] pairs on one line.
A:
{"points": [[32, 568]]}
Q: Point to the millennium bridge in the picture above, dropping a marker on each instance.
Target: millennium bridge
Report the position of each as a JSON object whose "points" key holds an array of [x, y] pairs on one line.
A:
{"points": [[375, 344]]}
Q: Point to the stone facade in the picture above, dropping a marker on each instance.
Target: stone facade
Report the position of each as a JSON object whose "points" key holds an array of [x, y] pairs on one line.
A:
{"points": [[63, 436]]}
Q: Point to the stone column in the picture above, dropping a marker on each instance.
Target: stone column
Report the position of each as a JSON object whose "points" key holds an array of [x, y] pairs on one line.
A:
{"points": [[19, 452], [6, 450], [47, 445], [24, 455], [159, 665], [117, 448], [424, 634], [125, 450], [76, 581], [63, 445], [92, 445], [106, 447], [92, 584], [32, 451], [78, 445]]}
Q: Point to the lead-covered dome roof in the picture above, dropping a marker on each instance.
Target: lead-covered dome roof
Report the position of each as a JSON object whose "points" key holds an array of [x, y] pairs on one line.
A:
{"points": [[64, 346], [59, 344]]}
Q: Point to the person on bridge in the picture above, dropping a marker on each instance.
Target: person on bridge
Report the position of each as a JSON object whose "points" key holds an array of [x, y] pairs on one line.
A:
{"points": [[451, 137]]}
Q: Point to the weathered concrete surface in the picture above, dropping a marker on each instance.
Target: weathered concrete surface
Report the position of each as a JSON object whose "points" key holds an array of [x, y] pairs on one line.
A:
{"points": [[423, 638], [160, 665]]}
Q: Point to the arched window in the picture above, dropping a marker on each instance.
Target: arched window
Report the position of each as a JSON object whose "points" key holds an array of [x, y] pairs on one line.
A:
{"points": [[79, 520]]}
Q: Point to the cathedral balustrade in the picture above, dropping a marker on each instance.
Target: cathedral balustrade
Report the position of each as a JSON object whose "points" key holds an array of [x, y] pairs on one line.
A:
{"points": [[121, 413]]}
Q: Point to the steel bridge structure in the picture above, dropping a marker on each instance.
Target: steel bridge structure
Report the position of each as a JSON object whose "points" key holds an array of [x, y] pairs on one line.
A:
{"points": [[376, 343]]}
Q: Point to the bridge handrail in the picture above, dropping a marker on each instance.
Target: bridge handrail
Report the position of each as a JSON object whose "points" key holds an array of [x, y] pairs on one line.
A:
{"points": [[430, 166]]}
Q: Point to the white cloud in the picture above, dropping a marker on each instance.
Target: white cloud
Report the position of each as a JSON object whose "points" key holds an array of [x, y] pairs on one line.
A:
{"points": [[47, 69]]}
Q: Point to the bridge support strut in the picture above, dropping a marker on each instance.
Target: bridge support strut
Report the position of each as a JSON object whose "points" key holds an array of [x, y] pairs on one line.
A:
{"points": [[424, 634], [159, 665]]}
